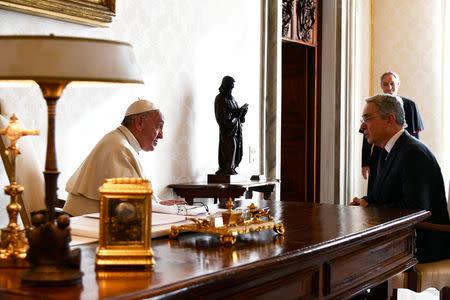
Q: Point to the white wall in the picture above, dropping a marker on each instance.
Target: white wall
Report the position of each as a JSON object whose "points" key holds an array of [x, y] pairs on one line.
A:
{"points": [[184, 48], [408, 38]]}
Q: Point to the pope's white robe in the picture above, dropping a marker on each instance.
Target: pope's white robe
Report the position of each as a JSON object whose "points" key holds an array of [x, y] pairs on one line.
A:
{"points": [[115, 155]]}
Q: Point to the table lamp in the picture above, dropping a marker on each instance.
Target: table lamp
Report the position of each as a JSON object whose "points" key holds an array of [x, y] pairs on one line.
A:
{"points": [[53, 62]]}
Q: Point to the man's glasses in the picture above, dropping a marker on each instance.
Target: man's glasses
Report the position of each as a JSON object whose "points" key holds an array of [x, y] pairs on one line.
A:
{"points": [[366, 118]]}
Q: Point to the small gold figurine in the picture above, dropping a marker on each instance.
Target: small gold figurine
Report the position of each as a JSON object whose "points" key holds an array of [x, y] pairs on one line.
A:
{"points": [[13, 244], [233, 224]]}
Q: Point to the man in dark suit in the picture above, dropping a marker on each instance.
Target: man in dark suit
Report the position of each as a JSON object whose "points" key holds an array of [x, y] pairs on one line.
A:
{"points": [[389, 83], [408, 174]]}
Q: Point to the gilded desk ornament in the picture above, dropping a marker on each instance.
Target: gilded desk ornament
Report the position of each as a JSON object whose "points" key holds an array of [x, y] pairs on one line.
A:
{"points": [[233, 223], [125, 224], [13, 245]]}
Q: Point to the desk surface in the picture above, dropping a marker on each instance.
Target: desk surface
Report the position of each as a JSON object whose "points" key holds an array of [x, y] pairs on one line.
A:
{"points": [[327, 251]]}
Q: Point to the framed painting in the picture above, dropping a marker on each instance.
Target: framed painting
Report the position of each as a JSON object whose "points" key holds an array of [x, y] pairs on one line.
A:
{"points": [[98, 13]]}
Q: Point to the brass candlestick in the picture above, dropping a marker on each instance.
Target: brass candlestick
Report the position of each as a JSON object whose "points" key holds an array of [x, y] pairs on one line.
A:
{"points": [[13, 245]]}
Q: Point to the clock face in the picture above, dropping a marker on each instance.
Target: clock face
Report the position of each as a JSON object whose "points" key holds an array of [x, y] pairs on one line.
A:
{"points": [[125, 212], [125, 222]]}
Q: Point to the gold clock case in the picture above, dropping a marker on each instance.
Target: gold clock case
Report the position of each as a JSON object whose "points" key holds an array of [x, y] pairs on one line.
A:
{"points": [[125, 224]]}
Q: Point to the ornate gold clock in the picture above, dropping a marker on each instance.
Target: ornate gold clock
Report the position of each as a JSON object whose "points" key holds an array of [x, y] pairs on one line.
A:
{"points": [[125, 223]]}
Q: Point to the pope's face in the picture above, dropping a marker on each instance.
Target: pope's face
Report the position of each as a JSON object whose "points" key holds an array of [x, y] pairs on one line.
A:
{"points": [[390, 84], [373, 125], [152, 130]]}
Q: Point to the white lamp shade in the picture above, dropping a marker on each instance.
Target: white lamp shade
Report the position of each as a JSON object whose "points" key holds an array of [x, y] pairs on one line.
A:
{"points": [[51, 58]]}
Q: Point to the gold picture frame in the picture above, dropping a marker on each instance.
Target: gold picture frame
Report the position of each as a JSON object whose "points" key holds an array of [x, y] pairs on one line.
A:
{"points": [[97, 13]]}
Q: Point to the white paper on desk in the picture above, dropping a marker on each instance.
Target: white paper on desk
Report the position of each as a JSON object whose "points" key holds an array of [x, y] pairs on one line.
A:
{"points": [[161, 219], [428, 294], [87, 226], [80, 240], [86, 221], [178, 209]]}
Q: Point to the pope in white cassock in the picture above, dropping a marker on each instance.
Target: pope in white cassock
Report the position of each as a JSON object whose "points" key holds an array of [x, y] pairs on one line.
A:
{"points": [[116, 155]]}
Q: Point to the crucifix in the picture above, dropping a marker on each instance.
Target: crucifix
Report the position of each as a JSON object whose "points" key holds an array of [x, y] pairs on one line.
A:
{"points": [[13, 244]]}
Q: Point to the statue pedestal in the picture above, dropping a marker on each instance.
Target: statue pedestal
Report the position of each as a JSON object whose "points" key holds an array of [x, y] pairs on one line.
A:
{"points": [[213, 178]]}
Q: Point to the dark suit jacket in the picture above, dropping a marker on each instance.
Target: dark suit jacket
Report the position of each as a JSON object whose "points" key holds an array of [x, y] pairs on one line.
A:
{"points": [[411, 178], [370, 155]]}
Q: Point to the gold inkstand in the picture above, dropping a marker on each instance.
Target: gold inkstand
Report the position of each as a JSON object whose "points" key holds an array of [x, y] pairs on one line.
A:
{"points": [[233, 223], [13, 244]]}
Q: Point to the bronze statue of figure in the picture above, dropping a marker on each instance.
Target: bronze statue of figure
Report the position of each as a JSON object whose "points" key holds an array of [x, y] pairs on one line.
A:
{"points": [[230, 117]]}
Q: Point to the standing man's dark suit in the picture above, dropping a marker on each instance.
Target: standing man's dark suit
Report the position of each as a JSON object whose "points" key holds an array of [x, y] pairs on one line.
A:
{"points": [[411, 178]]}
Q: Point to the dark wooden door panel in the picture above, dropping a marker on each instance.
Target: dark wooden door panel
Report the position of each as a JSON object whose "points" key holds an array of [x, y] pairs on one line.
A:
{"points": [[300, 113], [297, 142]]}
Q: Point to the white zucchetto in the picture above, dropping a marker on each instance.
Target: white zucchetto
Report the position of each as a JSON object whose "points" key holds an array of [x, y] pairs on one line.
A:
{"points": [[140, 106]]}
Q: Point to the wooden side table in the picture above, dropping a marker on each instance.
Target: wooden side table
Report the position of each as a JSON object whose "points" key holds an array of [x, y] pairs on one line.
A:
{"points": [[189, 191]]}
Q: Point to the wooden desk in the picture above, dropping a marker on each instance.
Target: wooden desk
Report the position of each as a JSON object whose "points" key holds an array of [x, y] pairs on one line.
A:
{"points": [[189, 191], [327, 252]]}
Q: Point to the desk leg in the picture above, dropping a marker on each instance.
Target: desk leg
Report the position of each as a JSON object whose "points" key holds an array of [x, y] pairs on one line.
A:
{"points": [[412, 279], [445, 293], [381, 291]]}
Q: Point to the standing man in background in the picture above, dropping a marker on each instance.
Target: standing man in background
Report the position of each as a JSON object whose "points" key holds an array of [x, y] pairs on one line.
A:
{"points": [[390, 83]]}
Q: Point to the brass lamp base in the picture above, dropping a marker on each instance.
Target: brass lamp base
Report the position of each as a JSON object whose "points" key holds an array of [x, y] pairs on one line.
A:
{"points": [[51, 275], [52, 261]]}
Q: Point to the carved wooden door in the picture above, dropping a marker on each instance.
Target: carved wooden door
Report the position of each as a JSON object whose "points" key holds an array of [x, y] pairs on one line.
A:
{"points": [[300, 114]]}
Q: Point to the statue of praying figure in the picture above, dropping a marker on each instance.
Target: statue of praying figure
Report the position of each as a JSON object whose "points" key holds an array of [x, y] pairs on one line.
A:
{"points": [[230, 117]]}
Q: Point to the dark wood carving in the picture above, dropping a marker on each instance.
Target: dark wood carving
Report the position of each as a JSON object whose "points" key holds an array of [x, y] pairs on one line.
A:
{"points": [[287, 16], [299, 21], [306, 10]]}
